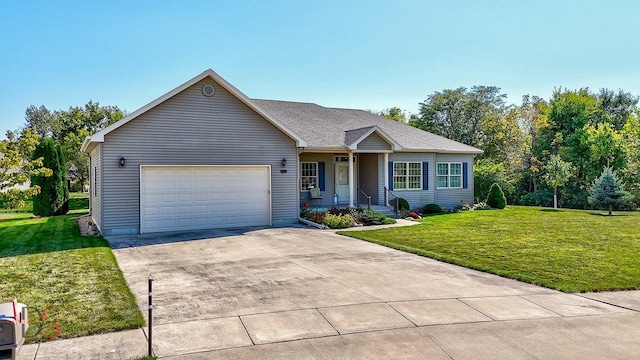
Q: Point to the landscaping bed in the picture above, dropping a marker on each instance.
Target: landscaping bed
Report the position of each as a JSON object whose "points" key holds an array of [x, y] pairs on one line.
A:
{"points": [[568, 250], [342, 218]]}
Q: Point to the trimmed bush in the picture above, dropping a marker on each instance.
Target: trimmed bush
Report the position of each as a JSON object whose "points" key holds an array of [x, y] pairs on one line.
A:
{"points": [[496, 198], [338, 221], [432, 209], [403, 204], [372, 217], [53, 198]]}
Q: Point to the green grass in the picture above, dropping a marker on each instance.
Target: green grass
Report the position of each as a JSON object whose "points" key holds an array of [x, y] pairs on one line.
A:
{"points": [[45, 263], [567, 250]]}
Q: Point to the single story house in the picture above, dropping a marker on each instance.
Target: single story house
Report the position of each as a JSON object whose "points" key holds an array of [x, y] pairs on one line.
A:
{"points": [[204, 155]]}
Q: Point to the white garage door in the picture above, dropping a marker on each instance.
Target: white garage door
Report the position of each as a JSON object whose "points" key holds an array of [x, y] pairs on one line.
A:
{"points": [[203, 197]]}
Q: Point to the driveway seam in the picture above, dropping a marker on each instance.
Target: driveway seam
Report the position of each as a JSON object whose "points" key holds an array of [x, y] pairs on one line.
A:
{"points": [[544, 307], [245, 330], [328, 322], [471, 306], [607, 303]]}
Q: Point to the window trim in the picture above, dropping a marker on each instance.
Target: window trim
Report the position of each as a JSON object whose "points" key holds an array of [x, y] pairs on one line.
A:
{"points": [[449, 176], [317, 176], [407, 176]]}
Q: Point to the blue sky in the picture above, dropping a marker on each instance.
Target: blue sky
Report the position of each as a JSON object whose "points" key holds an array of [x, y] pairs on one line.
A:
{"points": [[356, 54]]}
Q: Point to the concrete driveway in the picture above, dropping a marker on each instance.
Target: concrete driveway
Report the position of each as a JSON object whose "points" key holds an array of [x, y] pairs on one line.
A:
{"points": [[312, 294]]}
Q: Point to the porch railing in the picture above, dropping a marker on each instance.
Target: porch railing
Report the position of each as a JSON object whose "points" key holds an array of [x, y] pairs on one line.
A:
{"points": [[368, 197], [388, 198]]}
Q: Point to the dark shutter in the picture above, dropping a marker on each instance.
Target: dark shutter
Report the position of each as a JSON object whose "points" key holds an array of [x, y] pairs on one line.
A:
{"points": [[425, 175], [465, 182], [321, 176], [390, 175]]}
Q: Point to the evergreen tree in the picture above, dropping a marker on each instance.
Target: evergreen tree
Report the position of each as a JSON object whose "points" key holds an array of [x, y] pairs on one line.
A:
{"points": [[53, 198], [496, 198], [607, 191]]}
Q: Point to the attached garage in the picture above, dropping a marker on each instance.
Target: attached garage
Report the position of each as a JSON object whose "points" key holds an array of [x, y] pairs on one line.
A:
{"points": [[174, 198]]}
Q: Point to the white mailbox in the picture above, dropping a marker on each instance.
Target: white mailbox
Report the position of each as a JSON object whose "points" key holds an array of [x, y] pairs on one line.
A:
{"points": [[13, 328]]}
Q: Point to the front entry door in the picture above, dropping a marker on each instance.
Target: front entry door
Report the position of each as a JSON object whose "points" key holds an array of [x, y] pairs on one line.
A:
{"points": [[342, 182]]}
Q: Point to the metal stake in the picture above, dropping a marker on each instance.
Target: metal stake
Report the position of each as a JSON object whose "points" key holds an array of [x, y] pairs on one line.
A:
{"points": [[150, 315]]}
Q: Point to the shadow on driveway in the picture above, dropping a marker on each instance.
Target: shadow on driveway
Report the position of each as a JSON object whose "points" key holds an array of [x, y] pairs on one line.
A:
{"points": [[136, 240]]}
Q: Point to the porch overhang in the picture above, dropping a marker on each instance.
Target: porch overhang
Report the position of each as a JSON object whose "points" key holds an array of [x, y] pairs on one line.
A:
{"points": [[354, 137]]}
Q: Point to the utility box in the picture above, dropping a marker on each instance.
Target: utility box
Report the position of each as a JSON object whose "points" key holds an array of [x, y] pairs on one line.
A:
{"points": [[13, 328]]}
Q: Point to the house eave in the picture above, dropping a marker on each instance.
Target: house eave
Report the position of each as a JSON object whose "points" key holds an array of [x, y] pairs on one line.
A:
{"points": [[90, 142], [442, 151]]}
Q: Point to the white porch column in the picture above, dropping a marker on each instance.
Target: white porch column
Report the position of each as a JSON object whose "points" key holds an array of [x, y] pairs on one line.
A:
{"points": [[386, 177], [351, 187]]}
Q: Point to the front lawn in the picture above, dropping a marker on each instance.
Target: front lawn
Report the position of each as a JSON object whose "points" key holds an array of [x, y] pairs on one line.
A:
{"points": [[568, 250], [46, 264]]}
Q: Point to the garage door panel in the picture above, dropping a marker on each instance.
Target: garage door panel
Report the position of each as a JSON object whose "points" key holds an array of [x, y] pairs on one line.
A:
{"points": [[200, 209], [167, 197], [179, 198], [167, 210]]}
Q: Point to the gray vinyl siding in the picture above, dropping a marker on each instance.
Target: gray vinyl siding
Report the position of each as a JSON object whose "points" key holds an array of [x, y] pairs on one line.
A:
{"points": [[416, 198], [95, 189], [192, 129], [327, 194], [450, 198], [374, 142], [368, 171]]}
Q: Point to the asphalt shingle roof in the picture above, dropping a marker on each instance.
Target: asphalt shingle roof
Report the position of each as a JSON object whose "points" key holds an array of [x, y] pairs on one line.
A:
{"points": [[325, 127]]}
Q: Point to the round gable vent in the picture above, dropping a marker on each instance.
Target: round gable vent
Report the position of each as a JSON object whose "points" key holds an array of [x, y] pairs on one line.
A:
{"points": [[208, 90]]}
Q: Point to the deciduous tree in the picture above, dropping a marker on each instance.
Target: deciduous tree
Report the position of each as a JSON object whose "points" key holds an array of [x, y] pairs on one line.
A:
{"points": [[395, 114], [558, 172], [17, 167]]}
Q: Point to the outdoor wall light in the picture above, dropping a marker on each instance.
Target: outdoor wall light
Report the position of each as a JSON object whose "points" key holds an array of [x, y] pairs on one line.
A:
{"points": [[122, 161], [284, 162]]}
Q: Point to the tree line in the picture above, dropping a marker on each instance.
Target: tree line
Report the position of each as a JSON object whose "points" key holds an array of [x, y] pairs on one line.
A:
{"points": [[540, 147], [534, 150], [46, 150]]}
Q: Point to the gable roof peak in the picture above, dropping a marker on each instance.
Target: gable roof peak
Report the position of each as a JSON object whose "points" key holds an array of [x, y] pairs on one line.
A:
{"points": [[99, 136]]}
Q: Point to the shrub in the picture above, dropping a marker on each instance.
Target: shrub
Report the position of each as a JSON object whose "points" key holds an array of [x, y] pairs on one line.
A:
{"points": [[432, 209], [472, 207], [355, 213], [403, 204], [317, 216], [338, 221], [403, 213], [541, 197], [371, 217], [496, 198], [305, 213]]}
